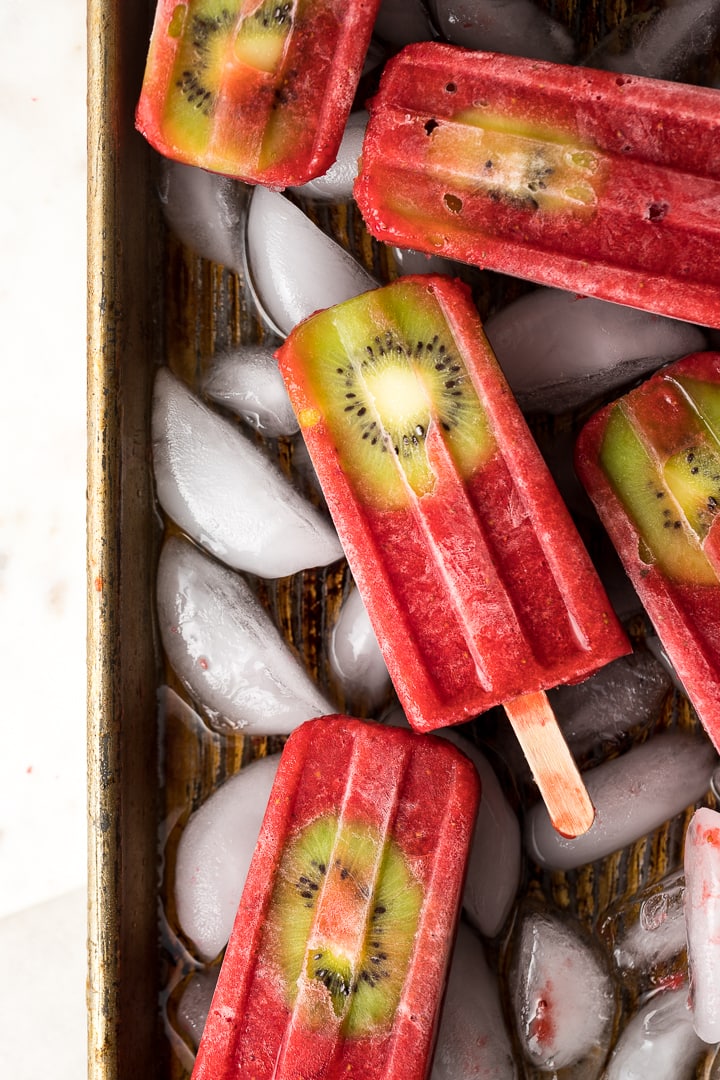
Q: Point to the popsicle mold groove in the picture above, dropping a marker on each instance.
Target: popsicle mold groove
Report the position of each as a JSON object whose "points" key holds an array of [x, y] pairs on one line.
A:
{"points": [[384, 819], [471, 570], [603, 185], [651, 464]]}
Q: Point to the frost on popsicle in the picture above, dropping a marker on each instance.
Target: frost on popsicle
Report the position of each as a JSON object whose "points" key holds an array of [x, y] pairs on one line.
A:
{"points": [[651, 464], [449, 519], [338, 957], [253, 89], [225, 649], [217, 486], [569, 177]]}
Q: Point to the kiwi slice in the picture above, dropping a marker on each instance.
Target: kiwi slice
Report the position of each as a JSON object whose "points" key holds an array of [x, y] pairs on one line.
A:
{"points": [[260, 42], [386, 371], [217, 37], [528, 166], [350, 872], [664, 504]]}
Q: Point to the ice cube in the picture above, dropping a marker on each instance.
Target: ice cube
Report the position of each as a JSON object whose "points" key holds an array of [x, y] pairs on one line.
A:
{"points": [[225, 649], [206, 211], [517, 27], [336, 185], [214, 854], [295, 269], [226, 494], [194, 1003], [559, 350], [658, 1042], [355, 655], [562, 994], [663, 42], [473, 1043], [247, 381], [625, 694], [645, 932], [632, 794], [702, 916]]}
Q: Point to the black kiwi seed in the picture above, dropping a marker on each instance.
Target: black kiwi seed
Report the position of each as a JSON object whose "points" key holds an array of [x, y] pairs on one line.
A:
{"points": [[192, 83]]}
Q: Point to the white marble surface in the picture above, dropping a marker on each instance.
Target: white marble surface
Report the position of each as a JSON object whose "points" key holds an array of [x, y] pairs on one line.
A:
{"points": [[42, 542]]}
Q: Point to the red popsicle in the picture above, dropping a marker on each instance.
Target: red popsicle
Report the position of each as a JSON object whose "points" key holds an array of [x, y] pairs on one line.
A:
{"points": [[256, 89], [603, 184], [338, 957], [478, 586], [651, 464]]}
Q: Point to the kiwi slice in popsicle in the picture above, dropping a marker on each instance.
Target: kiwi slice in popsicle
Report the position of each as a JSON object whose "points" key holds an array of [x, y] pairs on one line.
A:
{"points": [[385, 370], [666, 503], [218, 37], [353, 873]]}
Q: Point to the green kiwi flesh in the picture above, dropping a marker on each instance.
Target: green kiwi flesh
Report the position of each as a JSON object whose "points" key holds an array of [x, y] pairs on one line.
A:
{"points": [[385, 369], [260, 42], [665, 502], [371, 874], [214, 35], [528, 166]]}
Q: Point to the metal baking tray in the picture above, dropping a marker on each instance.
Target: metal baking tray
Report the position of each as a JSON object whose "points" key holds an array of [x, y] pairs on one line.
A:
{"points": [[150, 301]]}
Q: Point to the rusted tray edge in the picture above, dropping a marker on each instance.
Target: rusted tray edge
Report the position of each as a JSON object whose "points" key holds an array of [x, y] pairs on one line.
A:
{"points": [[122, 753]]}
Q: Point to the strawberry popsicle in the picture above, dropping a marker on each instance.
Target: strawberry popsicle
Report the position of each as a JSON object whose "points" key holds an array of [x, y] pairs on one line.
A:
{"points": [[256, 89], [603, 184], [651, 464], [476, 582], [338, 956]]}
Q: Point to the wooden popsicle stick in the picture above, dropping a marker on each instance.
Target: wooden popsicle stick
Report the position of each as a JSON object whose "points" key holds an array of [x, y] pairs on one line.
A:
{"points": [[553, 766]]}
